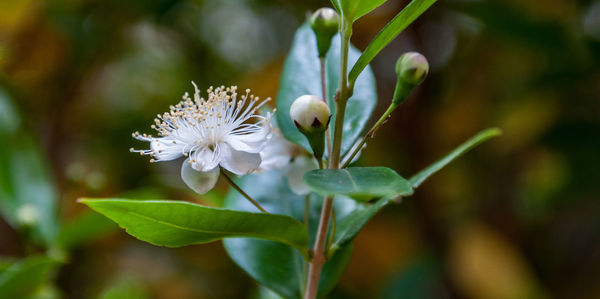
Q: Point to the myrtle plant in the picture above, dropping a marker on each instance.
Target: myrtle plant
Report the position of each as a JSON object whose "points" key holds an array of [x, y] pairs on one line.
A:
{"points": [[297, 202]]}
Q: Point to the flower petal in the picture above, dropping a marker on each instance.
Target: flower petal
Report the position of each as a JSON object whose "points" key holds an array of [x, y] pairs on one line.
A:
{"points": [[296, 170], [254, 137], [166, 149], [200, 182], [277, 153], [205, 159], [238, 162]]}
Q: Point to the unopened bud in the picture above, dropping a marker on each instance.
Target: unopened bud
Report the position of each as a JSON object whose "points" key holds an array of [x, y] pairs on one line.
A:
{"points": [[311, 116], [412, 69], [324, 22]]}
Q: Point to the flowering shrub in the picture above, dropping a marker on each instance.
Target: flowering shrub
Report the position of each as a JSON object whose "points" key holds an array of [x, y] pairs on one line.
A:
{"points": [[293, 235]]}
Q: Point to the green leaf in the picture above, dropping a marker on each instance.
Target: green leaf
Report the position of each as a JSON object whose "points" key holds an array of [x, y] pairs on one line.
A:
{"points": [[361, 183], [85, 228], [301, 76], [474, 141], [349, 226], [352, 10], [404, 18], [6, 262], [25, 277], [177, 223], [28, 198], [274, 265]]}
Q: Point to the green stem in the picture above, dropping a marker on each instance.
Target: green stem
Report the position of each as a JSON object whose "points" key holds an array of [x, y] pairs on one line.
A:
{"points": [[316, 264], [236, 187], [307, 210], [332, 233], [376, 126], [342, 97], [324, 97]]}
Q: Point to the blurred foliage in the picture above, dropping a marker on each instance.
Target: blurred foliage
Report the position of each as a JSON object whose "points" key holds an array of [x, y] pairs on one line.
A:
{"points": [[516, 218]]}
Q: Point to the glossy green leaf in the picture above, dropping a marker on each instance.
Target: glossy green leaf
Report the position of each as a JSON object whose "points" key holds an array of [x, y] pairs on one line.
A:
{"points": [[474, 141], [274, 265], [404, 18], [177, 223], [27, 196], [352, 10], [24, 278], [361, 183], [85, 228], [301, 75]]}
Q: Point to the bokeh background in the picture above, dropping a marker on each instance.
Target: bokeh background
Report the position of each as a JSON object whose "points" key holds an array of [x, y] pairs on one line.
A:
{"points": [[519, 217]]}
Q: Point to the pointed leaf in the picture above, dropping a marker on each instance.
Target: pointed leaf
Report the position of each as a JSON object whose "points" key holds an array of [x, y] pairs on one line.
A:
{"points": [[176, 223], [404, 18], [352, 10], [361, 183], [301, 76], [274, 265], [474, 141]]}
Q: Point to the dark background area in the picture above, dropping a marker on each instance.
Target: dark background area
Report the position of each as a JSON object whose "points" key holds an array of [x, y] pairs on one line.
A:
{"points": [[516, 218]]}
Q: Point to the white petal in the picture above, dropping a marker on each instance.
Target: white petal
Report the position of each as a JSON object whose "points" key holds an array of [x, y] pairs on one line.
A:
{"points": [[205, 159], [277, 153], [165, 150], [297, 169], [252, 142], [238, 162], [200, 182]]}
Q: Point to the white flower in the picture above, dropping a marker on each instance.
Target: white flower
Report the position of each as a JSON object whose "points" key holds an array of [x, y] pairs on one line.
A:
{"points": [[219, 131], [278, 153]]}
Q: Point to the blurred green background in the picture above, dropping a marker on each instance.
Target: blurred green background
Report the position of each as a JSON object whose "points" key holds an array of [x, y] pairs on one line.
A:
{"points": [[518, 217]]}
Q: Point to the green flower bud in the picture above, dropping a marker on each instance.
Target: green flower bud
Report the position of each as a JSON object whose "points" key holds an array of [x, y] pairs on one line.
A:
{"points": [[412, 69], [324, 22], [311, 116]]}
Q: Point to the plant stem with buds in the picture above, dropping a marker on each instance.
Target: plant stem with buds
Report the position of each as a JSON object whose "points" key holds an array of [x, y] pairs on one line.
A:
{"points": [[316, 264]]}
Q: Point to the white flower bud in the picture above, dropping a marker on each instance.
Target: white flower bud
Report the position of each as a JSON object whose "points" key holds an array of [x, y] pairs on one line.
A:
{"points": [[310, 114]]}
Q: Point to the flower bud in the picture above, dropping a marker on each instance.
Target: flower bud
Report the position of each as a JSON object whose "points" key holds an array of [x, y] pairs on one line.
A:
{"points": [[324, 22], [412, 69], [310, 114]]}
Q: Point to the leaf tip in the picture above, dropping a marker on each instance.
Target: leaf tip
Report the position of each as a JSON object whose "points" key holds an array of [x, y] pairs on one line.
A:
{"points": [[493, 132]]}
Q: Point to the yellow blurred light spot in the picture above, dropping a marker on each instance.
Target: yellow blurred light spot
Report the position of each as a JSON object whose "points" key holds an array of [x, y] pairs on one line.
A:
{"points": [[525, 119], [13, 12], [485, 265]]}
